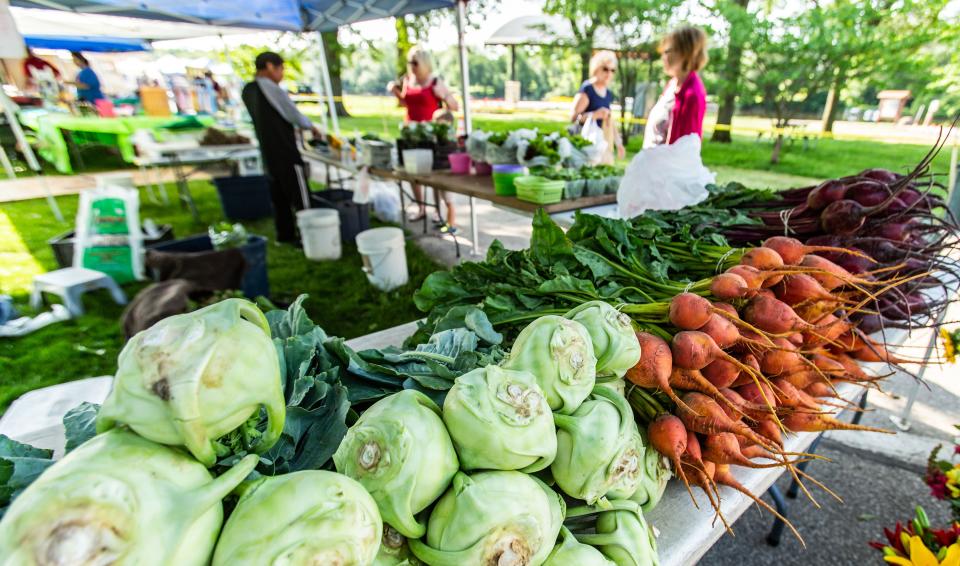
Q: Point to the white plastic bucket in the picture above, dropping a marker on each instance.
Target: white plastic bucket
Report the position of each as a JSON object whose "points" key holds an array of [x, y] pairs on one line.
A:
{"points": [[384, 255], [418, 161], [320, 231]]}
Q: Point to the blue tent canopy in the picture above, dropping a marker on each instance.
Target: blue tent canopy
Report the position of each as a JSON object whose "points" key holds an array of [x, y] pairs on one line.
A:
{"points": [[87, 43], [289, 15]]}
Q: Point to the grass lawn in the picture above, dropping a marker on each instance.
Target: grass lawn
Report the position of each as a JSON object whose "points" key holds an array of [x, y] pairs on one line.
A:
{"points": [[341, 299]]}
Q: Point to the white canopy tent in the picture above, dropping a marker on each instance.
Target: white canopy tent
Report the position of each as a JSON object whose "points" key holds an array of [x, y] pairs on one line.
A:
{"points": [[31, 21]]}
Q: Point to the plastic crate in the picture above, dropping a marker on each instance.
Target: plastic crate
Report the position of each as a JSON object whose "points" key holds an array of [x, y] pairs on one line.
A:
{"points": [[62, 245], [354, 217], [245, 198], [255, 282], [538, 190]]}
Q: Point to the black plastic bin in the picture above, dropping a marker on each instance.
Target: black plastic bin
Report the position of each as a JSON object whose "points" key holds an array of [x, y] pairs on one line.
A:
{"points": [[255, 282], [354, 218], [245, 198], [62, 245]]}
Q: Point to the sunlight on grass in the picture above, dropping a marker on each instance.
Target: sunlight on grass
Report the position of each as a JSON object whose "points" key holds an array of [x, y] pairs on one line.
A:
{"points": [[17, 264]]}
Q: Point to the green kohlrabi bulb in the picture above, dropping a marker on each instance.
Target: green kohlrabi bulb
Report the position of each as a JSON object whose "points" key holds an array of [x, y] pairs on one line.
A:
{"points": [[571, 552], [399, 450], [394, 550], [614, 340], [624, 537], [559, 353], [122, 500], [599, 449], [499, 420], [301, 519], [502, 518], [656, 474], [191, 378]]}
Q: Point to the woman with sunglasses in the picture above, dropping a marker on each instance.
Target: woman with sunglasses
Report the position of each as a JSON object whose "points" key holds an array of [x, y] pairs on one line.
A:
{"points": [[595, 98], [680, 109], [423, 95]]}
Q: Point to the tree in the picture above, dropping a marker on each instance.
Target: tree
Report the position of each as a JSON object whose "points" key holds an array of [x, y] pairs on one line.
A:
{"points": [[789, 62], [871, 36], [334, 51], [740, 24], [585, 16]]}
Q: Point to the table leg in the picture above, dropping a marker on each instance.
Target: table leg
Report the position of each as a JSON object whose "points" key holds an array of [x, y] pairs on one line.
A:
{"points": [[161, 186], [773, 539], [183, 190], [150, 193], [474, 227], [403, 205]]}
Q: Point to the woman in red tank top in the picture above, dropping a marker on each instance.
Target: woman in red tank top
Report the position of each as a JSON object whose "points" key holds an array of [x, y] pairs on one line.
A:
{"points": [[423, 95]]}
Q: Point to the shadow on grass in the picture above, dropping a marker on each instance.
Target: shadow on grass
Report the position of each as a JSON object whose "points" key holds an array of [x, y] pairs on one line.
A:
{"points": [[341, 299]]}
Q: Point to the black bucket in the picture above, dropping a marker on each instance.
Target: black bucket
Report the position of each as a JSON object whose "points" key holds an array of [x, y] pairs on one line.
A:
{"points": [[354, 217]]}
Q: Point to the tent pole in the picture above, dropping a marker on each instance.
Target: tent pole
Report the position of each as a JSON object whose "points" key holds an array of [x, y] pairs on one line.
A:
{"points": [[325, 71], [464, 70], [10, 110]]}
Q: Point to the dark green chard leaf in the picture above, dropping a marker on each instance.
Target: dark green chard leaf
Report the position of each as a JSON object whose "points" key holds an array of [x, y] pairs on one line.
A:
{"points": [[80, 424], [20, 465]]}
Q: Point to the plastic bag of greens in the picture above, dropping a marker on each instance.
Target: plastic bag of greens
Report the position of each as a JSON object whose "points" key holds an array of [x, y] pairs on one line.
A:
{"points": [[477, 145], [224, 235]]}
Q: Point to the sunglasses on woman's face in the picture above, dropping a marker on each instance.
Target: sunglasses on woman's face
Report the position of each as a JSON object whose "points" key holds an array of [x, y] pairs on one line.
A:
{"points": [[413, 63], [609, 70]]}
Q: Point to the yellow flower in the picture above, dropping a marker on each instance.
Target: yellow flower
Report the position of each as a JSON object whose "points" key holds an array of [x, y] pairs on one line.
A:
{"points": [[953, 481], [949, 348], [920, 555]]}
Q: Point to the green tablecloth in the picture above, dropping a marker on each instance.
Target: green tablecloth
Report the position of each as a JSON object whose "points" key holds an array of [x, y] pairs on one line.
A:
{"points": [[49, 128]]}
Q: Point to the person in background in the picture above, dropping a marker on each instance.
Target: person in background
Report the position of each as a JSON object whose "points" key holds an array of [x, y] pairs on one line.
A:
{"points": [[595, 98], [422, 94], [276, 119], [32, 64], [679, 110], [87, 81], [219, 91]]}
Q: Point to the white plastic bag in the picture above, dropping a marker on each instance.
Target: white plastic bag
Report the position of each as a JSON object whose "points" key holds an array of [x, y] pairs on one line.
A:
{"points": [[665, 177], [361, 190], [386, 203], [593, 133]]}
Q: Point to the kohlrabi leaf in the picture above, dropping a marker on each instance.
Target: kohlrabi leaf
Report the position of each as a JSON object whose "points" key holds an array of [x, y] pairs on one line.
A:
{"points": [[80, 424]]}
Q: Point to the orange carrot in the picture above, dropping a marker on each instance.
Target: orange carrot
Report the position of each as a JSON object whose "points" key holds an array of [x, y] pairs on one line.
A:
{"points": [[814, 422]]}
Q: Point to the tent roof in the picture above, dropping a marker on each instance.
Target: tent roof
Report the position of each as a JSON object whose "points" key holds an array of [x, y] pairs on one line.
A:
{"points": [[546, 30], [65, 24], [290, 15], [96, 44]]}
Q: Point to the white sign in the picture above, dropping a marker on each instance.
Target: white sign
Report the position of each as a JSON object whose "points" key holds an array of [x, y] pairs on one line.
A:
{"points": [[11, 42]]}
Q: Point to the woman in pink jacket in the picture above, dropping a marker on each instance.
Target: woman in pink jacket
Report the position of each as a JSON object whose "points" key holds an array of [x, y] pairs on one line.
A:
{"points": [[681, 107]]}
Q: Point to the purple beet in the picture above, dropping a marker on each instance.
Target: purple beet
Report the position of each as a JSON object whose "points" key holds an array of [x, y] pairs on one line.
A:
{"points": [[826, 193], [868, 193], [882, 175]]}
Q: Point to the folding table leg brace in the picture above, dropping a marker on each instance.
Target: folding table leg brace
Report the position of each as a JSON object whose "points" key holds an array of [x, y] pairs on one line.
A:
{"points": [[780, 502]]}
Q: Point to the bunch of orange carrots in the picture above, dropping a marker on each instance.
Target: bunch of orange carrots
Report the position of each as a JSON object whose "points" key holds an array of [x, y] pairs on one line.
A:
{"points": [[759, 361]]}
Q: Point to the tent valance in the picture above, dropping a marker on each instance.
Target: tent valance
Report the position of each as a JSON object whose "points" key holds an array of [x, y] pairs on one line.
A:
{"points": [[87, 43]]}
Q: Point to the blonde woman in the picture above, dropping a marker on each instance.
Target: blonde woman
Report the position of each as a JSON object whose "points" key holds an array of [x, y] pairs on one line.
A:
{"points": [[680, 109], [595, 98], [424, 95]]}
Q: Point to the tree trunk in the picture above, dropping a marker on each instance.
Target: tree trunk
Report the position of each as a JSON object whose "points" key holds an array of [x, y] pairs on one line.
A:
{"points": [[830, 108], [777, 146], [731, 81], [586, 51], [331, 45]]}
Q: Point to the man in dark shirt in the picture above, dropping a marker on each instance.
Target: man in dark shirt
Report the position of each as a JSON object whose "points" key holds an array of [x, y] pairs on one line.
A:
{"points": [[275, 119]]}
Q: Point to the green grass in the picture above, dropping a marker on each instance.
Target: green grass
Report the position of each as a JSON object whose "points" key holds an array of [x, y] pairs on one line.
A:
{"points": [[341, 299]]}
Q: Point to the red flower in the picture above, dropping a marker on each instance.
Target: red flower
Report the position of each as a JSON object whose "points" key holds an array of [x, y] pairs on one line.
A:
{"points": [[956, 449], [894, 538], [937, 482], [946, 537]]}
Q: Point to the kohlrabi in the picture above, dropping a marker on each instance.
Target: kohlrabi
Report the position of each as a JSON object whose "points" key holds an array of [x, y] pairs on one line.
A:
{"points": [[394, 550], [399, 450], [623, 536], [122, 500], [499, 419], [656, 474], [502, 518], [614, 341], [559, 353], [599, 449], [191, 378], [571, 552], [301, 519]]}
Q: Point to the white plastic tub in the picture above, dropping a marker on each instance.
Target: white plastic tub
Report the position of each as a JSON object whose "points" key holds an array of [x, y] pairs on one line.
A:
{"points": [[384, 255], [320, 231], [418, 161]]}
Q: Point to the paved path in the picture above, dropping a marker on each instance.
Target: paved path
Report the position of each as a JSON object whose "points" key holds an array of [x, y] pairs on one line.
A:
{"points": [[33, 187]]}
